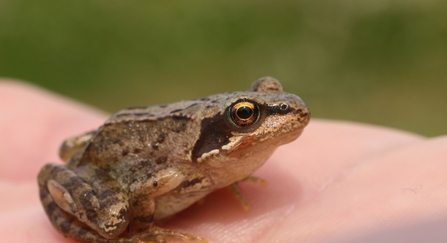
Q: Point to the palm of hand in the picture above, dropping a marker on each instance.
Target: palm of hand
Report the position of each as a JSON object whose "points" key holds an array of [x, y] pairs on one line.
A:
{"points": [[337, 180]]}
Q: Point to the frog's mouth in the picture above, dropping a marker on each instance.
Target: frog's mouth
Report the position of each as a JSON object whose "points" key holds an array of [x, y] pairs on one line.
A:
{"points": [[251, 143], [288, 137], [289, 125]]}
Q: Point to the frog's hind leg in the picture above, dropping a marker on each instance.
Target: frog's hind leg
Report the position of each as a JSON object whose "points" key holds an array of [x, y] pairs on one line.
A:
{"points": [[76, 217], [83, 211], [67, 224]]}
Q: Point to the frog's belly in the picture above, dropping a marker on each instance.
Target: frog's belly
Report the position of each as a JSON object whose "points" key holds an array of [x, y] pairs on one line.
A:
{"points": [[168, 205]]}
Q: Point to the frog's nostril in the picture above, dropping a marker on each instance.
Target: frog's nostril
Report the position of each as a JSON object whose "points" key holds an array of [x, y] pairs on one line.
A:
{"points": [[283, 106]]}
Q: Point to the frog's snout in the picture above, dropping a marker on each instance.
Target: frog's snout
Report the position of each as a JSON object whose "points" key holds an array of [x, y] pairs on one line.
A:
{"points": [[304, 116]]}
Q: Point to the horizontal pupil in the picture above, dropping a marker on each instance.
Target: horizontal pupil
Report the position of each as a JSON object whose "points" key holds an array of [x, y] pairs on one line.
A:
{"points": [[244, 112]]}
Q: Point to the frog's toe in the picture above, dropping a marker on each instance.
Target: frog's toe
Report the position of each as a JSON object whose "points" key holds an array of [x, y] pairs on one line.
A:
{"points": [[238, 194], [256, 180], [160, 235]]}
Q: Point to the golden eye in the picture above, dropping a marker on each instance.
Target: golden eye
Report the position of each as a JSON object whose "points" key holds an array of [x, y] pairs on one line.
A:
{"points": [[244, 113]]}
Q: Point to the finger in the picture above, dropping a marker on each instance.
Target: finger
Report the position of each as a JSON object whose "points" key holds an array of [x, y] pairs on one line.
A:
{"points": [[327, 148], [34, 122], [403, 185]]}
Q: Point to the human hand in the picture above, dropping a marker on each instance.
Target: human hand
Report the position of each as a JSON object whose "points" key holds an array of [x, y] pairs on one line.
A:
{"points": [[339, 179]]}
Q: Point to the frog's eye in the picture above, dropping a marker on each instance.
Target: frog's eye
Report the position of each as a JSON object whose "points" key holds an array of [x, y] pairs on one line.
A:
{"points": [[244, 113]]}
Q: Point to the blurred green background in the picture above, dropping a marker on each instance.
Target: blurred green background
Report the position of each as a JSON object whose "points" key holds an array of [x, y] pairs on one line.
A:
{"points": [[375, 61]]}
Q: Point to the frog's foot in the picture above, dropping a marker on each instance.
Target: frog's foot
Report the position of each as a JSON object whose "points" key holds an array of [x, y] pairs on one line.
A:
{"points": [[160, 235], [238, 194], [254, 179]]}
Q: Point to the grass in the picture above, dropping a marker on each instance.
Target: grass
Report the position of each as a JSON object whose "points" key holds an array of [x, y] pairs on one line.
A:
{"points": [[380, 62]]}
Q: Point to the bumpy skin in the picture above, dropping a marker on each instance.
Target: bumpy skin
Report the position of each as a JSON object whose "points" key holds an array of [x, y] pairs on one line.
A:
{"points": [[148, 163]]}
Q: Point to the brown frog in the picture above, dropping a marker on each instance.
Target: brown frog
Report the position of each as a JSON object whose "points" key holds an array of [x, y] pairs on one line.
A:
{"points": [[148, 163]]}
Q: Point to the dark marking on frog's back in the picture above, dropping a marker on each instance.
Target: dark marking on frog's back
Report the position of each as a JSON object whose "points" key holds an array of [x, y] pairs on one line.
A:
{"points": [[215, 133], [134, 114], [135, 108], [175, 111], [161, 137], [203, 99], [192, 105], [161, 160]]}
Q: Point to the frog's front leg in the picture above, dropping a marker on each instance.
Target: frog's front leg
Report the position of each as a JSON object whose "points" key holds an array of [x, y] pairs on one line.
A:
{"points": [[72, 145], [100, 204], [144, 191], [238, 194]]}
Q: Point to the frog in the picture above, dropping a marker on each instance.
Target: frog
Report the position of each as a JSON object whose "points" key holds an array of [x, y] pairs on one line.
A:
{"points": [[146, 164]]}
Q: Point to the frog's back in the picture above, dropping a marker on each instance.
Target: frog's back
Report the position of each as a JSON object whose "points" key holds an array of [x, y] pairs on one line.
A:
{"points": [[163, 133], [144, 133]]}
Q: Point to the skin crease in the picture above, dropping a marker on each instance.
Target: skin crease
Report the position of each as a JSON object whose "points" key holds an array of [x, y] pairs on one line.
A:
{"points": [[338, 180]]}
